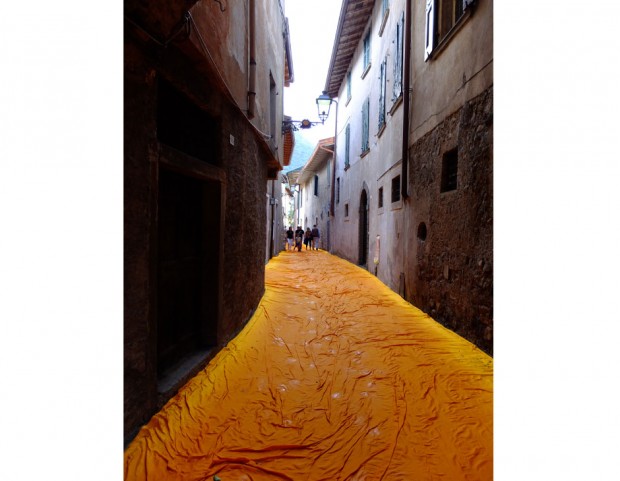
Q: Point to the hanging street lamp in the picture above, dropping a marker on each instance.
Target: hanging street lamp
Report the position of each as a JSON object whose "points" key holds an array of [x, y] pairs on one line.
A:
{"points": [[323, 104]]}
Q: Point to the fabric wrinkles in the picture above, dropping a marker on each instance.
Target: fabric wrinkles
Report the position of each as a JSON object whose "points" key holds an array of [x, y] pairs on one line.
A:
{"points": [[335, 377]]}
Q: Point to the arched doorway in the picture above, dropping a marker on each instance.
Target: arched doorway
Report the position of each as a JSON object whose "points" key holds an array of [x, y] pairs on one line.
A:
{"points": [[363, 229]]}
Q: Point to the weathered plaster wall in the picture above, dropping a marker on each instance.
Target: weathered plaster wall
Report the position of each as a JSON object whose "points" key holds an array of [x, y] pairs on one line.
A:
{"points": [[317, 206], [227, 42], [377, 167], [460, 71]]}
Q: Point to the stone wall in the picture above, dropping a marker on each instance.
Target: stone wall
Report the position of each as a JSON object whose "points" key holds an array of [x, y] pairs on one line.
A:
{"points": [[239, 166], [450, 277]]}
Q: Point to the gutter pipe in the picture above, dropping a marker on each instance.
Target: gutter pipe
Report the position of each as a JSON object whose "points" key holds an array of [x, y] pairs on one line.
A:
{"points": [[406, 94]]}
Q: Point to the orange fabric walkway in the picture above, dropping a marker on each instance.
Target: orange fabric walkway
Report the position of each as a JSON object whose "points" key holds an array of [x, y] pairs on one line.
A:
{"points": [[335, 377]]}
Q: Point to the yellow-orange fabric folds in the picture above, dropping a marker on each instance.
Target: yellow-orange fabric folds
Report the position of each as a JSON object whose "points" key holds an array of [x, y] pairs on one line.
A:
{"points": [[335, 377]]}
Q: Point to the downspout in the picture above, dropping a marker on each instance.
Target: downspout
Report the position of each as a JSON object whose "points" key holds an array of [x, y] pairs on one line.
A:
{"points": [[272, 202], [252, 79], [402, 288], [333, 193], [406, 80]]}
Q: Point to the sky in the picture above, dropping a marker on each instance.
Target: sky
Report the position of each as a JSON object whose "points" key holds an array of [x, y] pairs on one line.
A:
{"points": [[312, 26]]}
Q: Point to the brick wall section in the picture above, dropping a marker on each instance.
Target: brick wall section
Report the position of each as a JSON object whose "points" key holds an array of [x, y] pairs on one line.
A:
{"points": [[451, 275]]}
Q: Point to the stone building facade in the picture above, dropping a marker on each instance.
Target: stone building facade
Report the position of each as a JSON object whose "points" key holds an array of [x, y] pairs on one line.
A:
{"points": [[202, 139], [414, 173]]}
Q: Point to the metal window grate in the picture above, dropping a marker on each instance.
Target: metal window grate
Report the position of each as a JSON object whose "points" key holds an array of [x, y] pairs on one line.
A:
{"points": [[396, 189]]}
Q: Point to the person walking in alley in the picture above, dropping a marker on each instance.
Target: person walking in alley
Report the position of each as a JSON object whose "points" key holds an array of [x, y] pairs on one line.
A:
{"points": [[316, 238], [308, 239], [290, 235], [299, 236]]}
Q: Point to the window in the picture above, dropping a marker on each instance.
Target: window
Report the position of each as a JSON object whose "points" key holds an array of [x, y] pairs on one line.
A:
{"points": [[449, 170], [397, 86], [348, 86], [366, 53], [380, 197], [385, 11], [338, 190], [384, 7], [429, 33], [347, 144], [448, 13], [316, 185], [365, 126], [422, 231], [396, 189], [272, 112], [382, 89], [346, 210], [441, 17], [183, 125]]}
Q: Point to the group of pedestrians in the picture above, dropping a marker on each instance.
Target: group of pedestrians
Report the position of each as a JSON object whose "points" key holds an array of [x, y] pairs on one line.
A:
{"points": [[310, 238]]}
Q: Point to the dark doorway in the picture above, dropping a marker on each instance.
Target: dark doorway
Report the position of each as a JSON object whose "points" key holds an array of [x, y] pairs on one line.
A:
{"points": [[188, 267], [363, 229]]}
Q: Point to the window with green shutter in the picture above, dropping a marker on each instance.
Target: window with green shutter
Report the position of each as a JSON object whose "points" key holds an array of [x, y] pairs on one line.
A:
{"points": [[382, 92], [397, 85], [365, 125], [349, 86], [367, 50], [347, 145]]}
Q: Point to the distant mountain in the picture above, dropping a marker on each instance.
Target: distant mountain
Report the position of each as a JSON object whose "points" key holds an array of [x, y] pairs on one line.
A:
{"points": [[301, 152]]}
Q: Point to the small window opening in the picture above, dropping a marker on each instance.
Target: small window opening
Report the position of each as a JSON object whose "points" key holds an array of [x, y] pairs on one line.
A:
{"points": [[449, 170], [380, 202], [422, 231], [396, 189], [338, 190], [346, 210]]}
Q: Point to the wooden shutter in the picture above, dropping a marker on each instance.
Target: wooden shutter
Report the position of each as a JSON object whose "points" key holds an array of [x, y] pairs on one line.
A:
{"points": [[347, 142], [429, 33], [349, 85], [365, 129], [382, 92], [397, 86], [367, 50]]}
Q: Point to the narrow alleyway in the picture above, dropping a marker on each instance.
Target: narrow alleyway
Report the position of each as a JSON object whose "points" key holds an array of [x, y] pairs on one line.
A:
{"points": [[334, 378]]}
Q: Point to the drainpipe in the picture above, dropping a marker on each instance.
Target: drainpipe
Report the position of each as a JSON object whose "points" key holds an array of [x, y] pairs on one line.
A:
{"points": [[272, 202], [406, 81], [333, 192], [252, 79]]}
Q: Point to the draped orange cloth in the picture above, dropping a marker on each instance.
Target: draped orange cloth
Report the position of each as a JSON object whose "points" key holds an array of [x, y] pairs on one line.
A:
{"points": [[335, 377]]}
